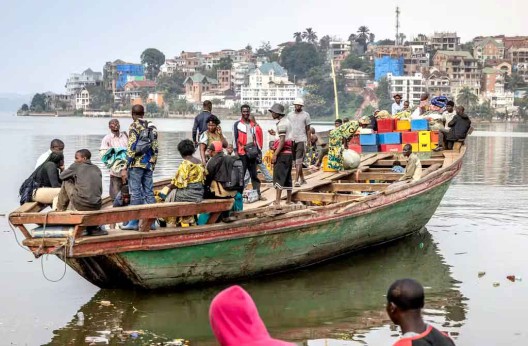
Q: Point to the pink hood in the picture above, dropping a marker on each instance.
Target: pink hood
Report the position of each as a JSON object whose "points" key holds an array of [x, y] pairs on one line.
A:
{"points": [[235, 320]]}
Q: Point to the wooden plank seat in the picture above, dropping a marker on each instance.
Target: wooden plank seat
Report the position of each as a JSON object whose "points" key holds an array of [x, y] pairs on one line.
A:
{"points": [[353, 187], [324, 197], [115, 215]]}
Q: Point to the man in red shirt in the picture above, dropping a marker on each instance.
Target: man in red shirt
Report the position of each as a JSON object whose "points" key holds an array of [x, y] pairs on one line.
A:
{"points": [[405, 300], [248, 146]]}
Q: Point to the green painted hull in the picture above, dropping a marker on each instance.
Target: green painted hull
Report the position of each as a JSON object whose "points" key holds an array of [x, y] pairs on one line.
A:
{"points": [[284, 248]]}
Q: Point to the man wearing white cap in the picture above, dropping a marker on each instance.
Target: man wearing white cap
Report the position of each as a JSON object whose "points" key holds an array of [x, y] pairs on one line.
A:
{"points": [[300, 121]]}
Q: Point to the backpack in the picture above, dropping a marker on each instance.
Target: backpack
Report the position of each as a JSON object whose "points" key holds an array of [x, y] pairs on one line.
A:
{"points": [[145, 139], [236, 175], [27, 188]]}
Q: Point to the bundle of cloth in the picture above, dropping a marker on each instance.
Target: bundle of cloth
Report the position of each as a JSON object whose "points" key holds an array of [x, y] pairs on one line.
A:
{"points": [[404, 114], [115, 159]]}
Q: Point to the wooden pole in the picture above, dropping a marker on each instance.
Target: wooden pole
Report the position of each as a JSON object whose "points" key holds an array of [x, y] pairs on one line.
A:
{"points": [[335, 89]]}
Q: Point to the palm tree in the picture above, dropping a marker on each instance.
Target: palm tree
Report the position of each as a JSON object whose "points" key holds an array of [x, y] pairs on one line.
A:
{"points": [[363, 32], [298, 36], [309, 35], [352, 38], [466, 98]]}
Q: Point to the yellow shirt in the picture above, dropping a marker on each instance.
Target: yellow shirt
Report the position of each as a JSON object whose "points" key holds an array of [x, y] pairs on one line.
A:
{"points": [[188, 173]]}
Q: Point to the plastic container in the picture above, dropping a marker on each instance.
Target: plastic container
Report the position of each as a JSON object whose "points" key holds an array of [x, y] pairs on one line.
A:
{"points": [[403, 125], [369, 149], [390, 148], [385, 125], [355, 147], [424, 137], [368, 139], [413, 145], [389, 138], [354, 140], [409, 137], [422, 147], [434, 136], [419, 125]]}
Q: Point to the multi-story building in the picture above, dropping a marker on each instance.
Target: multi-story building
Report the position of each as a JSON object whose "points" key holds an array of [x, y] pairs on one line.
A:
{"points": [[418, 62], [82, 99], [492, 81], [269, 84], [437, 83], [337, 48], [445, 41], [198, 84], [462, 69], [501, 101], [59, 101], [116, 74], [224, 80], [240, 74], [410, 87], [488, 48], [77, 81]]}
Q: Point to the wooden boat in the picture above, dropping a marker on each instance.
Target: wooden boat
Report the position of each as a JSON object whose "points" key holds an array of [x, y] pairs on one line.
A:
{"points": [[338, 213]]}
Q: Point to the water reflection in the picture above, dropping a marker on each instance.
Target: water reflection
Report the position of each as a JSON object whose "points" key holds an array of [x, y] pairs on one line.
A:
{"points": [[338, 299]]}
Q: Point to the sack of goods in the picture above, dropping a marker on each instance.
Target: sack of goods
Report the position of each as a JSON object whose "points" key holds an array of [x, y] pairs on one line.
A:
{"points": [[351, 159]]}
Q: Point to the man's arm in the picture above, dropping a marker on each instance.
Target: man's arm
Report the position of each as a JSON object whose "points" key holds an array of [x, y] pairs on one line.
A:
{"points": [[53, 175], [308, 123], [195, 129], [69, 172], [409, 170], [131, 154], [453, 121]]}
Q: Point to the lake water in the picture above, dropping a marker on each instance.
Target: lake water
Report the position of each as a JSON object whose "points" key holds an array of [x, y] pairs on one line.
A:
{"points": [[480, 226]]}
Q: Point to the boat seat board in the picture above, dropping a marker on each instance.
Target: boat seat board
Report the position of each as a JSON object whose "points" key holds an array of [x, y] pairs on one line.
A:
{"points": [[115, 215], [324, 197], [351, 187]]}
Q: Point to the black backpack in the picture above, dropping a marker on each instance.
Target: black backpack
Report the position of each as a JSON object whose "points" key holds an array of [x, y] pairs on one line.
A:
{"points": [[145, 139], [235, 170]]}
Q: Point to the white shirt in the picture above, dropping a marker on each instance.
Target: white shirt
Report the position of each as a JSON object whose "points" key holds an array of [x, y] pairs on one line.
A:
{"points": [[396, 108], [447, 118], [42, 158]]}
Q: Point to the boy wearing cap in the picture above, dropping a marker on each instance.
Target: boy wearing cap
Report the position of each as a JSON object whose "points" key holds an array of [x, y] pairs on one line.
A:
{"points": [[300, 122], [282, 156]]}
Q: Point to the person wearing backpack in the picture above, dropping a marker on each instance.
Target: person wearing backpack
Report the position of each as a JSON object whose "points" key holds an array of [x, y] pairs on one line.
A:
{"points": [[248, 146], [142, 154]]}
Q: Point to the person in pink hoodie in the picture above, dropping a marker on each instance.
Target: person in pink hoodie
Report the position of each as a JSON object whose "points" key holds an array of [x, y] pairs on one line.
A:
{"points": [[235, 320]]}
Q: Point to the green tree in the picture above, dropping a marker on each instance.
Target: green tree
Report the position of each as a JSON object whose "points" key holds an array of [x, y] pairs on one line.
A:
{"points": [[39, 103], [466, 98], [24, 108], [363, 36], [485, 111], [297, 36], [309, 35], [355, 62], [369, 110], [225, 63], [324, 43], [514, 81], [372, 37], [152, 107], [248, 47], [264, 50], [383, 95], [100, 98], [171, 85], [386, 42], [152, 59], [299, 58]]}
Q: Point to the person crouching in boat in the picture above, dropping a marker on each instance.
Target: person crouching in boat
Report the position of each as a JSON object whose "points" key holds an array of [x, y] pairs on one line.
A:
{"points": [[335, 146], [235, 320], [282, 157], [46, 179], [413, 169], [82, 187], [188, 183]]}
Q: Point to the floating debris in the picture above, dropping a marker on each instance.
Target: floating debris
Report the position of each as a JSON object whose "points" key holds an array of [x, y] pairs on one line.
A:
{"points": [[496, 284], [105, 303], [93, 340], [481, 274]]}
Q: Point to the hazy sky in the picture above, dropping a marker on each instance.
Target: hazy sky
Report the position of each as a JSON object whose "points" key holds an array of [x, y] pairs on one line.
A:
{"points": [[44, 41]]}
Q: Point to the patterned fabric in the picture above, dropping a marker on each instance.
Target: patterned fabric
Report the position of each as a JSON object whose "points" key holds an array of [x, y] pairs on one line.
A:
{"points": [[115, 159], [336, 146], [188, 173], [208, 138], [145, 161]]}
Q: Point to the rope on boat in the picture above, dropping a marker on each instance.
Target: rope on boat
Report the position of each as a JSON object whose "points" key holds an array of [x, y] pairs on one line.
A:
{"points": [[16, 238], [42, 257]]}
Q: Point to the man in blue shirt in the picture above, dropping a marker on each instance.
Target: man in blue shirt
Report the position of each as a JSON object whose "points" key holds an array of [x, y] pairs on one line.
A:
{"points": [[200, 122]]}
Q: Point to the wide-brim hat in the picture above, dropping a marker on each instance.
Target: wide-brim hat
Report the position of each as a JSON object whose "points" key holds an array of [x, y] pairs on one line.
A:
{"points": [[277, 108], [298, 102]]}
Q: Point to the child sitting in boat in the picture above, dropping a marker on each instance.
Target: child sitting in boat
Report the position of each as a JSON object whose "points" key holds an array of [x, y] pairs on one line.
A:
{"points": [[188, 183]]}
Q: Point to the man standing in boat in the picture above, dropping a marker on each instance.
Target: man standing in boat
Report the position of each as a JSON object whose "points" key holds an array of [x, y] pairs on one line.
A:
{"points": [[282, 157], [248, 145], [300, 121], [413, 169], [200, 122], [142, 154], [405, 301], [115, 160]]}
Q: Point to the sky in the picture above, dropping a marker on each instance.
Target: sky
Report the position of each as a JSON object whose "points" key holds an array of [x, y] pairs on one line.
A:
{"points": [[44, 41]]}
